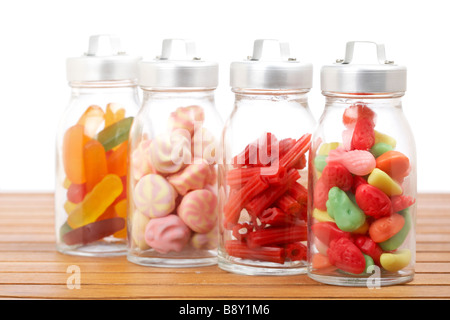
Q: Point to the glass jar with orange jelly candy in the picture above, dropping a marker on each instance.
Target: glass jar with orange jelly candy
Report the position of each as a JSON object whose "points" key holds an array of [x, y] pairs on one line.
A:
{"points": [[362, 175], [91, 148]]}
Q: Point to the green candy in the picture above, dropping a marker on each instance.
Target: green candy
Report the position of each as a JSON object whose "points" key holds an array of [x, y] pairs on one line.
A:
{"points": [[369, 262], [347, 215], [115, 134], [63, 230], [379, 148], [396, 241], [320, 162]]}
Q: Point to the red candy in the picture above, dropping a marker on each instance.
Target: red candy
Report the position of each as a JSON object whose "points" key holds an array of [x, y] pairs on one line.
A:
{"points": [[355, 112], [321, 195], [263, 181], [369, 247], [373, 201], [336, 175], [357, 181], [402, 202], [76, 192], [364, 135], [296, 251], [345, 255], [277, 217], [241, 231], [327, 232]]}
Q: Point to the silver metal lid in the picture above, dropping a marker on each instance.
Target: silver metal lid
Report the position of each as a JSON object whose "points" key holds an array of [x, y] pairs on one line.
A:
{"points": [[347, 77], [178, 68], [104, 61], [276, 71]]}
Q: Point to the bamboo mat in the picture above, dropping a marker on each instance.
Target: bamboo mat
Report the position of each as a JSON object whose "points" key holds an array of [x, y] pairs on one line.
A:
{"points": [[31, 268]]}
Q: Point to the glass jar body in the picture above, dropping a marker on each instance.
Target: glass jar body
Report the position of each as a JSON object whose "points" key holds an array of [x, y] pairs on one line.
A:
{"points": [[91, 168], [172, 179], [362, 192], [262, 183]]}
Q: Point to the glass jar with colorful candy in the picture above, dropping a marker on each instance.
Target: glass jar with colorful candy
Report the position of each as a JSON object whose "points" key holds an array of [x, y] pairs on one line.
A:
{"points": [[362, 176], [263, 172], [92, 144], [173, 168]]}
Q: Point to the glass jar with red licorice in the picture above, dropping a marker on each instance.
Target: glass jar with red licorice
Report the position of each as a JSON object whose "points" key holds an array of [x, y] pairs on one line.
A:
{"points": [[362, 176], [263, 175]]}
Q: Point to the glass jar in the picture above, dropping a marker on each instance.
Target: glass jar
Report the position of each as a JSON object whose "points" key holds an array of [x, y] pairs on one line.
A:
{"points": [[172, 154], [263, 172], [362, 177], [91, 151]]}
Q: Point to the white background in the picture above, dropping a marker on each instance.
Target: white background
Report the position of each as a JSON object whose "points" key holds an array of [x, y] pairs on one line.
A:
{"points": [[38, 36]]}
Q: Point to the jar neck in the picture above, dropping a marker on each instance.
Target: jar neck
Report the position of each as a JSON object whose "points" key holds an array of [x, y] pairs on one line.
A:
{"points": [[188, 94], [379, 100], [103, 87], [270, 95]]}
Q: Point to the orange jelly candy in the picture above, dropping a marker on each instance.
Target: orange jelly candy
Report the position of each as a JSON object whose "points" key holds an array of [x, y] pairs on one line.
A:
{"points": [[117, 160], [73, 160], [384, 228], [394, 163], [92, 119], [113, 113], [95, 165]]}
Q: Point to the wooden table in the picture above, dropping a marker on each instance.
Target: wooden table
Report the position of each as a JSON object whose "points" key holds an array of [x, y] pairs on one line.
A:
{"points": [[30, 267]]}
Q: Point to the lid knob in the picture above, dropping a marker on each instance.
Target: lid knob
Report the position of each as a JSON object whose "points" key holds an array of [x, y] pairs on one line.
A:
{"points": [[271, 67], [178, 67], [104, 61], [346, 76], [103, 45]]}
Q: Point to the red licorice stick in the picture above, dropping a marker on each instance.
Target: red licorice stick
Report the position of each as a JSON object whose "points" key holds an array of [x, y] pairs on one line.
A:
{"points": [[296, 251], [239, 199], [241, 231], [277, 217], [288, 204], [298, 192], [262, 201], [294, 155], [258, 153], [277, 236], [238, 177], [239, 249], [94, 231], [285, 145]]}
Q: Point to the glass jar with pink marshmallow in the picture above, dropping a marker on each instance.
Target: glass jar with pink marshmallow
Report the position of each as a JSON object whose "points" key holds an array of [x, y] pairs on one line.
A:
{"points": [[362, 174], [172, 209]]}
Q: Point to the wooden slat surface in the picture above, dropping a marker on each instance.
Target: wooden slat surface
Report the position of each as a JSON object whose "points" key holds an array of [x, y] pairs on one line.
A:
{"points": [[30, 267]]}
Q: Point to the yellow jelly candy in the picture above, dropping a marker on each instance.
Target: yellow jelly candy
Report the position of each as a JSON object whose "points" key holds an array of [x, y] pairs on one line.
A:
{"points": [[325, 148], [395, 261], [96, 202], [322, 216], [66, 183], [363, 229], [381, 137], [384, 182], [121, 210], [69, 206]]}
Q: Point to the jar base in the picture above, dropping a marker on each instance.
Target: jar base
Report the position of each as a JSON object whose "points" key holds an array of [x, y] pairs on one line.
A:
{"points": [[186, 259], [248, 267], [369, 281], [96, 249]]}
